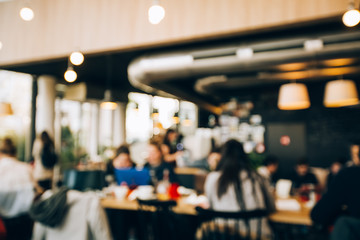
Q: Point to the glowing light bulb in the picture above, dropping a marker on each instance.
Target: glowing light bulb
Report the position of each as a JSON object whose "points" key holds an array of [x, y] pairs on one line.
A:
{"points": [[351, 18], [76, 58], [70, 75], [27, 14], [1, 45], [156, 14]]}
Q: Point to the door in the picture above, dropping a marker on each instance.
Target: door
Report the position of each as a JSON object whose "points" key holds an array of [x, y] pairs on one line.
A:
{"points": [[287, 142]]}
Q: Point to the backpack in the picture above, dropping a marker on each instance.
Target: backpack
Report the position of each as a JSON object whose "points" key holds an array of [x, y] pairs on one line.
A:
{"points": [[48, 157]]}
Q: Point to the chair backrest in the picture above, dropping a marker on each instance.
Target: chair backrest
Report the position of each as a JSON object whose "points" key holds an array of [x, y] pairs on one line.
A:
{"points": [[84, 180], [157, 220], [230, 225]]}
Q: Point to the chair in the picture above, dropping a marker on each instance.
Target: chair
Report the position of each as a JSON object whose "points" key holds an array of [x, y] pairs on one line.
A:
{"points": [[230, 225], [157, 219], [84, 180]]}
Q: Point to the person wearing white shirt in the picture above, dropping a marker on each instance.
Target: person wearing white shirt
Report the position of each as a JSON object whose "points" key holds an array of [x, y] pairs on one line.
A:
{"points": [[17, 191], [271, 165]]}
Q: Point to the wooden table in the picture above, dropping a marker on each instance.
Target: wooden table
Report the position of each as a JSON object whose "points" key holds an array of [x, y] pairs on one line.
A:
{"points": [[301, 217]]}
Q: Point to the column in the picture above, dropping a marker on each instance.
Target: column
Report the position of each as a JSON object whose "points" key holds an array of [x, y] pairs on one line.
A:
{"points": [[45, 105]]}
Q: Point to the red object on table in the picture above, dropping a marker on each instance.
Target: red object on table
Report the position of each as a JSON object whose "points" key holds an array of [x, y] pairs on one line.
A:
{"points": [[173, 193]]}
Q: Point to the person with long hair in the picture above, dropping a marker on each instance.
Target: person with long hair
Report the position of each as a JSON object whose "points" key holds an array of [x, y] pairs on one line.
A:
{"points": [[169, 147], [43, 174], [235, 186]]}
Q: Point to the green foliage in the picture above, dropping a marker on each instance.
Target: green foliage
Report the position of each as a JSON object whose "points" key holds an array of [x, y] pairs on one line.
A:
{"points": [[256, 159], [67, 153]]}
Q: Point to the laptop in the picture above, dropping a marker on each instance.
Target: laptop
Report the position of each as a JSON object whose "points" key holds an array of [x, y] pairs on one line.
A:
{"points": [[132, 176]]}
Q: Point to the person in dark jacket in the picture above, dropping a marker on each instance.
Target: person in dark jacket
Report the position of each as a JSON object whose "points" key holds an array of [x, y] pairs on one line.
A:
{"points": [[303, 176], [342, 198], [157, 165]]}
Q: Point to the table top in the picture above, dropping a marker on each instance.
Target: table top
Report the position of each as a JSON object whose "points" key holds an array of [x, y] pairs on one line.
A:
{"points": [[299, 217]]}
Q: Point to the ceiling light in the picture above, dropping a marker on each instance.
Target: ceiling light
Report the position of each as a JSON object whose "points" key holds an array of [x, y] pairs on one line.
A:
{"points": [[27, 14], [313, 45], [338, 62], [76, 58], [293, 96], [156, 13], [351, 18], [288, 67], [176, 119], [5, 109], [70, 75], [108, 103], [245, 53], [1, 45], [340, 93]]}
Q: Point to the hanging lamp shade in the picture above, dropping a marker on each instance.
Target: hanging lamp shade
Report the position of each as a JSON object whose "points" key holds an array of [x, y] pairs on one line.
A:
{"points": [[5, 109], [293, 96], [108, 103], [340, 93]]}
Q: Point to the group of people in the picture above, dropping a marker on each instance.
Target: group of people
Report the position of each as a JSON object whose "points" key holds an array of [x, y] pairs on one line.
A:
{"points": [[28, 211], [231, 185]]}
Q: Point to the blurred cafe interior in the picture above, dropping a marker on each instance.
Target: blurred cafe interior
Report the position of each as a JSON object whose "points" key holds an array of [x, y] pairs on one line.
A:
{"points": [[140, 104]]}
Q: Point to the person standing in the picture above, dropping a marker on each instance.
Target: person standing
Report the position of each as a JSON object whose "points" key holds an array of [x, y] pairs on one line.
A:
{"points": [[43, 152], [17, 191], [170, 147]]}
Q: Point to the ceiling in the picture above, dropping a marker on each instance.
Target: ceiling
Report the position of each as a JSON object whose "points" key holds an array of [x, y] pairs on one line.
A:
{"points": [[211, 71]]}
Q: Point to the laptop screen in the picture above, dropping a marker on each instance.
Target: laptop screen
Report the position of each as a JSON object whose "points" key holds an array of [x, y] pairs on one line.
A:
{"points": [[132, 176]]}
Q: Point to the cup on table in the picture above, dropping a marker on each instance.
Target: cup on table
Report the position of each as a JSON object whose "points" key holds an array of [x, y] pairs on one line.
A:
{"points": [[120, 192], [145, 192]]}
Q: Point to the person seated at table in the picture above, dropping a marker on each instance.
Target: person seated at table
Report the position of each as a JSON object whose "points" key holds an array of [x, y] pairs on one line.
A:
{"points": [[122, 160], [157, 165], [17, 192], [354, 154], [210, 162], [334, 169], [340, 204], [234, 186], [302, 177], [170, 147], [271, 164]]}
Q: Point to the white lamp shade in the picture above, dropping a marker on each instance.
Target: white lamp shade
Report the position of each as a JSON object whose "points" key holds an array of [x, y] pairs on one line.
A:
{"points": [[340, 93], [108, 103], [293, 96], [5, 109]]}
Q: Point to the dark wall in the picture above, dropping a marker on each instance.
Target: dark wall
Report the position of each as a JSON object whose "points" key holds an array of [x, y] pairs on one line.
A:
{"points": [[329, 131]]}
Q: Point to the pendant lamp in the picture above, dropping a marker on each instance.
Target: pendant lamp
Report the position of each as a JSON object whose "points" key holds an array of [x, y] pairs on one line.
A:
{"points": [[293, 96], [340, 93], [5, 109], [108, 102]]}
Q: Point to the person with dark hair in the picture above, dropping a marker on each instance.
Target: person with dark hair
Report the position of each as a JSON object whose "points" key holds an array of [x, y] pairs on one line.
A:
{"points": [[340, 205], [43, 151], [334, 169], [170, 147], [271, 164], [17, 191], [210, 162], [236, 187], [302, 176], [157, 165], [354, 154], [122, 160]]}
